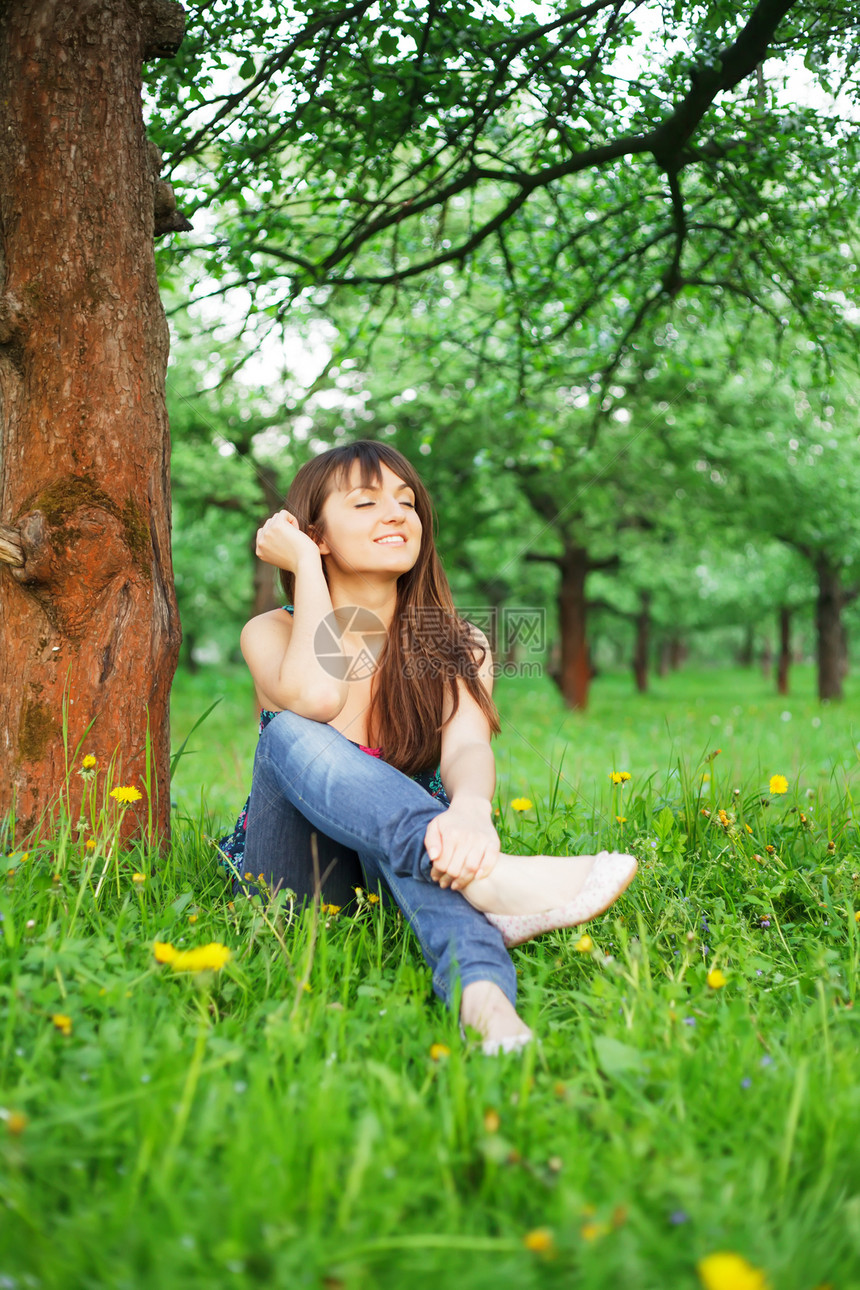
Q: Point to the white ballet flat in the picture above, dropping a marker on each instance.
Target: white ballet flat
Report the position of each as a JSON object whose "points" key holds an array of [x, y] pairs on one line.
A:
{"points": [[611, 874]]}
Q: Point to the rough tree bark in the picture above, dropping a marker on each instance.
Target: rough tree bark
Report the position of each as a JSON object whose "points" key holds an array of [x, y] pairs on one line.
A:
{"points": [[88, 616]]}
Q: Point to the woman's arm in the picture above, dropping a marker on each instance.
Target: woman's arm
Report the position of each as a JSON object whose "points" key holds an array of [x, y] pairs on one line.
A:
{"points": [[279, 649], [462, 842]]}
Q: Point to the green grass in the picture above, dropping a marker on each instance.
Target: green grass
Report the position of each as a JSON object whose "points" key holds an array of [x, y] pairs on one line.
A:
{"points": [[283, 1122]]}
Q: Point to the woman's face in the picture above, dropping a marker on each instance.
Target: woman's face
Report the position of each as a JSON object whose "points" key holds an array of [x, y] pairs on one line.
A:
{"points": [[371, 528]]}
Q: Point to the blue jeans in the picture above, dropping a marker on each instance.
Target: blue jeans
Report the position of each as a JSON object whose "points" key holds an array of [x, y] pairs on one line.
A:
{"points": [[308, 776]]}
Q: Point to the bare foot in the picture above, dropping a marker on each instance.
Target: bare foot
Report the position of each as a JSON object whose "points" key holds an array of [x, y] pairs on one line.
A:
{"points": [[610, 873], [529, 884], [486, 1008]]}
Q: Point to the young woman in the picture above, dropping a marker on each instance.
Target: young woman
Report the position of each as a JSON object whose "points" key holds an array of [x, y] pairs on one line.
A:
{"points": [[374, 765]]}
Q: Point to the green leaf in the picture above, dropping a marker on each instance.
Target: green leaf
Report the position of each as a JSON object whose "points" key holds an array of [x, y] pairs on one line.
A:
{"points": [[615, 1058]]}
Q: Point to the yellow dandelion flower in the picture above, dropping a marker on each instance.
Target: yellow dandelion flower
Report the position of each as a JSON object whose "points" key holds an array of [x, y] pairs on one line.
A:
{"points": [[438, 1051], [90, 844], [164, 952], [717, 979], [584, 945], [372, 898], [593, 1231], [539, 1240], [206, 958], [16, 1123], [62, 1022], [126, 794], [492, 1121], [778, 784], [621, 819], [748, 829], [521, 804], [857, 916], [192, 918], [727, 1271], [138, 877], [619, 776], [89, 762]]}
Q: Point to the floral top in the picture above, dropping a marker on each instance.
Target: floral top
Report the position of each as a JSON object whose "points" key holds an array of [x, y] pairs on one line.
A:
{"points": [[232, 847]]}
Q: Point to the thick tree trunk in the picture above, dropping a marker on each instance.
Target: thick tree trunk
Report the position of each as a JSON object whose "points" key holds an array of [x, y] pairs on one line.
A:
{"points": [[784, 660], [642, 644], [828, 625], [88, 622], [572, 611]]}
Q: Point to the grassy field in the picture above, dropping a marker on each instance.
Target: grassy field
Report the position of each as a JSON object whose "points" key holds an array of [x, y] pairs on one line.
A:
{"points": [[307, 1115]]}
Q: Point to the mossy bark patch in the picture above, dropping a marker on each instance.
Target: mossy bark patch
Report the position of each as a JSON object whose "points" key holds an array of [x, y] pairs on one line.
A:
{"points": [[38, 726], [62, 500], [137, 536]]}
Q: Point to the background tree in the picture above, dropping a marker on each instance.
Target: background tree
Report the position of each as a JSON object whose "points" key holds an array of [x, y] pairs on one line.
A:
{"points": [[618, 152]]}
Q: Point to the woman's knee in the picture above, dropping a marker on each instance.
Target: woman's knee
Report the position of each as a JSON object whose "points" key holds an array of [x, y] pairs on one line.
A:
{"points": [[290, 734]]}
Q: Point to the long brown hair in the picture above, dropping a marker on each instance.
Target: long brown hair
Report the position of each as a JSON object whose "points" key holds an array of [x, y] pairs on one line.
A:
{"points": [[428, 647]]}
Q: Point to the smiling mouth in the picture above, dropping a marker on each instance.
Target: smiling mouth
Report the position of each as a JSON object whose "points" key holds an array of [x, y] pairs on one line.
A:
{"points": [[395, 539]]}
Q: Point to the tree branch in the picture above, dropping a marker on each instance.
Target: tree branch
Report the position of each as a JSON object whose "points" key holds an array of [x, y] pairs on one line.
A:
{"points": [[11, 551]]}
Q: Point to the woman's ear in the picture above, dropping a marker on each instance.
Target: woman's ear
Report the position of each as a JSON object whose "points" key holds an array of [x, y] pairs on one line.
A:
{"points": [[316, 535]]}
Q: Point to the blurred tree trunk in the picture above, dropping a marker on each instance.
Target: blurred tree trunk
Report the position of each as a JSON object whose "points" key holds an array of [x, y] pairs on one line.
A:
{"points": [[677, 653], [767, 657], [575, 674], [642, 644], [828, 625], [784, 660], [89, 631], [746, 653]]}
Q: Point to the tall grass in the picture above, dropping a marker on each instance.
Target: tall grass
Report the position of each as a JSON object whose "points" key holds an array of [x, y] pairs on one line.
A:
{"points": [[309, 1116]]}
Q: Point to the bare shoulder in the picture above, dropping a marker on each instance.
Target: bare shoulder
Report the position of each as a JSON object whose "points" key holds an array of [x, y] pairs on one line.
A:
{"points": [[272, 628]]}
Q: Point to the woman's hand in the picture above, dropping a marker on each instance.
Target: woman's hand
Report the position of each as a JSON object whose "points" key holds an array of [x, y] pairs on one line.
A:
{"points": [[461, 845], [282, 543]]}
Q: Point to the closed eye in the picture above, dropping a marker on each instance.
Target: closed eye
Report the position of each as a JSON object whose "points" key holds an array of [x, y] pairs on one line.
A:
{"points": [[359, 505]]}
